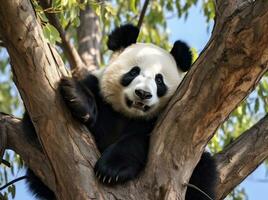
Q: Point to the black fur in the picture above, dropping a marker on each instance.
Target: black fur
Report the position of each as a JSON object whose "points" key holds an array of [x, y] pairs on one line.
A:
{"points": [[161, 86], [182, 55], [114, 134], [35, 185], [128, 77], [79, 98], [122, 141], [204, 177], [124, 144], [122, 37], [31, 135]]}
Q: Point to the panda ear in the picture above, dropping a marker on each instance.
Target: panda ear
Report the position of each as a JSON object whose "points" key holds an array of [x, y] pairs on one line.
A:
{"points": [[122, 37], [182, 55]]}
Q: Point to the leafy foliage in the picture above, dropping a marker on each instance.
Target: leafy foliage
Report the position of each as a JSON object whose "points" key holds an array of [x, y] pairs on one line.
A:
{"points": [[237, 194]]}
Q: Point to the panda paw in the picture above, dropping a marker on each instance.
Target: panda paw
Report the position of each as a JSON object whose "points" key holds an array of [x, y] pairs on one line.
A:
{"points": [[81, 105], [114, 169]]}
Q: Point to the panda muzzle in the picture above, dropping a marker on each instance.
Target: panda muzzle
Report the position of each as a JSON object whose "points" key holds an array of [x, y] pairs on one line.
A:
{"points": [[138, 105]]}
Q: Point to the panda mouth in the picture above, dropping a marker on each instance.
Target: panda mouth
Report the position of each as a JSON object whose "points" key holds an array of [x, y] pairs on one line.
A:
{"points": [[137, 105]]}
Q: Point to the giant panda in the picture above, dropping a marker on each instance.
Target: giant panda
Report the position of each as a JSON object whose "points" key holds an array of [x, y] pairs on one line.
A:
{"points": [[120, 105]]}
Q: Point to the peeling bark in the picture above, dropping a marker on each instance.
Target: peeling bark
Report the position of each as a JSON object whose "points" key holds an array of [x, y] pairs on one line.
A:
{"points": [[227, 70]]}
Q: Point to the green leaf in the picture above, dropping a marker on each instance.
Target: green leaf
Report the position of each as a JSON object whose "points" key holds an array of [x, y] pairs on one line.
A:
{"points": [[132, 5], [12, 190], [51, 33], [64, 2]]}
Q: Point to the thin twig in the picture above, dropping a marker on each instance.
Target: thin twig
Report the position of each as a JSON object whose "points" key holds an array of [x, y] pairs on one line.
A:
{"points": [[5, 162], [68, 49], [143, 11], [12, 182], [198, 189]]}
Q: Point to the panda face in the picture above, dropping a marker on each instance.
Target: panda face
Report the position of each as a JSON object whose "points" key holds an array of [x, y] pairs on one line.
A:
{"points": [[140, 80]]}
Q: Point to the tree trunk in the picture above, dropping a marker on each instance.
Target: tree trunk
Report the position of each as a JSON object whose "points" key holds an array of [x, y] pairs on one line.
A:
{"points": [[227, 70]]}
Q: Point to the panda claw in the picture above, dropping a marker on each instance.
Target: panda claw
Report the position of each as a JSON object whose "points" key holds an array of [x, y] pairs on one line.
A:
{"points": [[116, 179], [99, 176], [72, 100], [86, 117], [109, 181], [97, 173], [104, 179]]}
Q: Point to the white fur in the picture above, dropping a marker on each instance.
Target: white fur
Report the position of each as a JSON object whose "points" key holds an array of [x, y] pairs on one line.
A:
{"points": [[152, 60]]}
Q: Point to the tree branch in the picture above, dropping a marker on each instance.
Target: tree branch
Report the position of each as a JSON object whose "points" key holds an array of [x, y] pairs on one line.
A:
{"points": [[68, 49], [242, 157], [37, 69], [18, 141], [3, 141], [143, 11], [12, 182], [227, 70], [89, 36]]}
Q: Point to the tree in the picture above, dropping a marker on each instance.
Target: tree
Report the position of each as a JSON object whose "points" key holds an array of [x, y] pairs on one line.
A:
{"points": [[227, 70]]}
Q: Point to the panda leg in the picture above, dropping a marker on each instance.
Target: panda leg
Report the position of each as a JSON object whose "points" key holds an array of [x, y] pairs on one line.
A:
{"points": [[37, 187], [123, 160], [204, 177], [79, 100]]}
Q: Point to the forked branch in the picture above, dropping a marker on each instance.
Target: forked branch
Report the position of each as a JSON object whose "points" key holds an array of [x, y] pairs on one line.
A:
{"points": [[228, 69], [18, 140]]}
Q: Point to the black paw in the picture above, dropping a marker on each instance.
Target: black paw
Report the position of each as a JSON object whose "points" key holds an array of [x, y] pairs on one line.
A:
{"points": [[82, 105], [115, 168]]}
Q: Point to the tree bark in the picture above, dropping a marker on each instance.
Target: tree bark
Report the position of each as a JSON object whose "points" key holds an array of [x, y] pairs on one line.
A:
{"points": [[242, 157], [17, 140], [89, 38], [227, 70]]}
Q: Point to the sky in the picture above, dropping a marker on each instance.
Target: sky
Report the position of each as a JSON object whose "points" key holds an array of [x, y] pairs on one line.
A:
{"points": [[196, 33]]}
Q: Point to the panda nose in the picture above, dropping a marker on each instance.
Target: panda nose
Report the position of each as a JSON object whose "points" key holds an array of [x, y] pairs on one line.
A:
{"points": [[143, 94]]}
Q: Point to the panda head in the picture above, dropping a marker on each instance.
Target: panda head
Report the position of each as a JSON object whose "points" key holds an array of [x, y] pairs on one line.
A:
{"points": [[142, 77]]}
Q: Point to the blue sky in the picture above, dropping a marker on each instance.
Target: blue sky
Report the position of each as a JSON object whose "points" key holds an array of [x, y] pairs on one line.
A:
{"points": [[193, 31]]}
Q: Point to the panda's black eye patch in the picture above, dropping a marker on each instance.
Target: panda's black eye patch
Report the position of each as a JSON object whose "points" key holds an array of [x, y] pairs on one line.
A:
{"points": [[161, 86], [135, 71], [128, 77], [159, 79]]}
